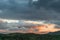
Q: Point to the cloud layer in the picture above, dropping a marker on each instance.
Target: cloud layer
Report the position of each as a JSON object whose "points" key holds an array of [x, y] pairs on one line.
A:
{"points": [[26, 16], [19, 10], [27, 26]]}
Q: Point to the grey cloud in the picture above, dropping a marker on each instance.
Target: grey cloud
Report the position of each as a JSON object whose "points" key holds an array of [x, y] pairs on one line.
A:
{"points": [[13, 29], [15, 26], [14, 10], [3, 26]]}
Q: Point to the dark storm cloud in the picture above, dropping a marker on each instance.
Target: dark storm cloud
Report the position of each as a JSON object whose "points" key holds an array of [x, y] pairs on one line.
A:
{"points": [[12, 9]]}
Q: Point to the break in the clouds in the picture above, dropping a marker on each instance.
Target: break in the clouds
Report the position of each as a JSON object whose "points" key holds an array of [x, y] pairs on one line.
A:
{"points": [[17, 24], [27, 26]]}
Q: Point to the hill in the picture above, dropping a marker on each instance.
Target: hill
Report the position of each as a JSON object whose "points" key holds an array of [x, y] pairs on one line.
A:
{"points": [[28, 36]]}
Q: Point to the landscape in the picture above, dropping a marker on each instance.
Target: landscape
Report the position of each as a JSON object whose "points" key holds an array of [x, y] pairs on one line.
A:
{"points": [[29, 19]]}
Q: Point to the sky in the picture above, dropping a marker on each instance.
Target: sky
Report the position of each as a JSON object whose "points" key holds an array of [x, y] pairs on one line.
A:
{"points": [[20, 10], [17, 12]]}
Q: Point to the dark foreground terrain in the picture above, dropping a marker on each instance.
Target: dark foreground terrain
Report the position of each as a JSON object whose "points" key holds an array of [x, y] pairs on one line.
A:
{"points": [[28, 36]]}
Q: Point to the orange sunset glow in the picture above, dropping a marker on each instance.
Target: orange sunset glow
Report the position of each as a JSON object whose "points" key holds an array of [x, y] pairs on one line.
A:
{"points": [[39, 28]]}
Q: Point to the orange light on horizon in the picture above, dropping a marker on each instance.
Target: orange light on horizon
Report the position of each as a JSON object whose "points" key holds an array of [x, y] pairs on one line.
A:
{"points": [[38, 28]]}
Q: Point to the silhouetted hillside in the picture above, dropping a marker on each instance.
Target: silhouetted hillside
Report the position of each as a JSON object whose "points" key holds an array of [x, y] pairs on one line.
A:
{"points": [[28, 36], [55, 33]]}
